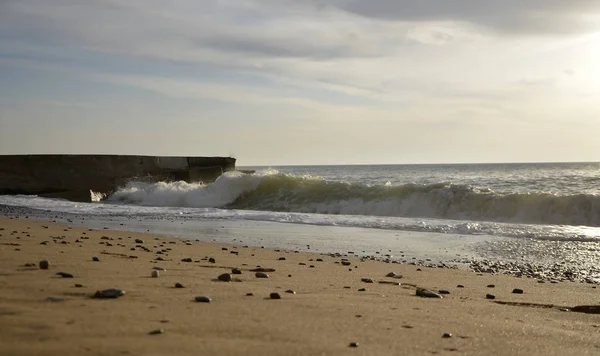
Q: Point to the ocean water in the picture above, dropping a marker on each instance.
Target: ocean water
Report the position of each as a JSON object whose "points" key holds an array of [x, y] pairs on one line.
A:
{"points": [[535, 213]]}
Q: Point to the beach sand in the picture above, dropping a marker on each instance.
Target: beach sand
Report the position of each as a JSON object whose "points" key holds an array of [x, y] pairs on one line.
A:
{"points": [[322, 318]]}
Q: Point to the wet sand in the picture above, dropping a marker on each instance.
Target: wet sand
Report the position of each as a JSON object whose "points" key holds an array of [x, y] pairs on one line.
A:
{"points": [[322, 318]]}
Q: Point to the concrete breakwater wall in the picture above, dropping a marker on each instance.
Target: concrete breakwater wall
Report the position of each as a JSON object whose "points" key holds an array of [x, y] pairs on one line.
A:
{"points": [[73, 176]]}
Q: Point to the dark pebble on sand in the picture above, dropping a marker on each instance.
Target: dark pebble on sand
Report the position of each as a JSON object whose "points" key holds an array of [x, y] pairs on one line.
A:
{"points": [[274, 296], [281, 258], [236, 271], [366, 280], [139, 241], [443, 291], [203, 299], [490, 296], [491, 285], [249, 294], [64, 275], [353, 344], [447, 335], [517, 291], [460, 286], [225, 277], [179, 285], [186, 260], [44, 264], [95, 259], [212, 260], [109, 293], [156, 332], [290, 291], [426, 293], [261, 275], [362, 290]]}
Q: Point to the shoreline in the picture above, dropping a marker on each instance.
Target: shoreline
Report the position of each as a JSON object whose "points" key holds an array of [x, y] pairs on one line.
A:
{"points": [[322, 317]]}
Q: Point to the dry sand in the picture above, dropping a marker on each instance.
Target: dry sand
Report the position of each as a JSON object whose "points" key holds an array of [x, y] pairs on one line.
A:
{"points": [[322, 318]]}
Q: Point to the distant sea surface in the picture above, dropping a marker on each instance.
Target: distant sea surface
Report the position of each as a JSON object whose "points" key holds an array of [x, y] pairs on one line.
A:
{"points": [[546, 201]]}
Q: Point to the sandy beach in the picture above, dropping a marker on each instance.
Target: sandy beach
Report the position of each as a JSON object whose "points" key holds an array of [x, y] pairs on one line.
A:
{"points": [[43, 313]]}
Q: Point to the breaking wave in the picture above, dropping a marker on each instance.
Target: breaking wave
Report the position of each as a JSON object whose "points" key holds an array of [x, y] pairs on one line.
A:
{"points": [[273, 191]]}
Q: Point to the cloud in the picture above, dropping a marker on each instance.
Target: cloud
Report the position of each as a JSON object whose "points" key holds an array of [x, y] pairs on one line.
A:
{"points": [[537, 17]]}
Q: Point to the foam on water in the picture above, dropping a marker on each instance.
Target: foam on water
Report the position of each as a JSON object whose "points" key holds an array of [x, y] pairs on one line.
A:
{"points": [[274, 191]]}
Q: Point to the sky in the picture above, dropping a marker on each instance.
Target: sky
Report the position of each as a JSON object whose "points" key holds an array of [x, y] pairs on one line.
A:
{"points": [[276, 82]]}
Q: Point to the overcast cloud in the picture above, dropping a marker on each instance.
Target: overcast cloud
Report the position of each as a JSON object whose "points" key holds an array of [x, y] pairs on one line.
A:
{"points": [[284, 73]]}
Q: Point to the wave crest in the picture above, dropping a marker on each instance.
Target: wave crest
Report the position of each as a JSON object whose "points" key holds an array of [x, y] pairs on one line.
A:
{"points": [[274, 191]]}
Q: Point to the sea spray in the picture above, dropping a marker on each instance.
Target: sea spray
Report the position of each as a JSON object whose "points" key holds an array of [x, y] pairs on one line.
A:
{"points": [[271, 190]]}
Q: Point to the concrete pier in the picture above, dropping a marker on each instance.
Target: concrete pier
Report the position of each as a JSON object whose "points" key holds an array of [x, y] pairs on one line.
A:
{"points": [[74, 176]]}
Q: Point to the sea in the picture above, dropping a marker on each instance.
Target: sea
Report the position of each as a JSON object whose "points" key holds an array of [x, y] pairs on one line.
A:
{"points": [[540, 217]]}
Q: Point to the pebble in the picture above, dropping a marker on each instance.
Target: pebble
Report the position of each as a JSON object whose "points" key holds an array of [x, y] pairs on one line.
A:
{"points": [[139, 241], [443, 291], [426, 293], [274, 296], [281, 258], [491, 285], [179, 285], [290, 291], [362, 290], [55, 299], [261, 275], [354, 344], [225, 277], [447, 335], [249, 294], [490, 296], [186, 260], [460, 286], [64, 275], [154, 274], [366, 280], [517, 291], [156, 332], [44, 264], [236, 271], [109, 293], [78, 285], [212, 260], [95, 259], [346, 263], [203, 299]]}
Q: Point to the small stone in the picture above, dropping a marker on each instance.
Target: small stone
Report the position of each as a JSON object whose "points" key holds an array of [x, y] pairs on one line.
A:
{"points": [[346, 263], [362, 290], [95, 259], [55, 299], [443, 291], [261, 275], [156, 332], [109, 293], [212, 260], [236, 271], [354, 344], [262, 269], [447, 335], [517, 291], [154, 274], [491, 286], [366, 280], [203, 299], [490, 296], [179, 285], [186, 260], [44, 264], [64, 275], [249, 294], [139, 241], [225, 277], [460, 286], [78, 285], [281, 258], [290, 291], [274, 296], [426, 293]]}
